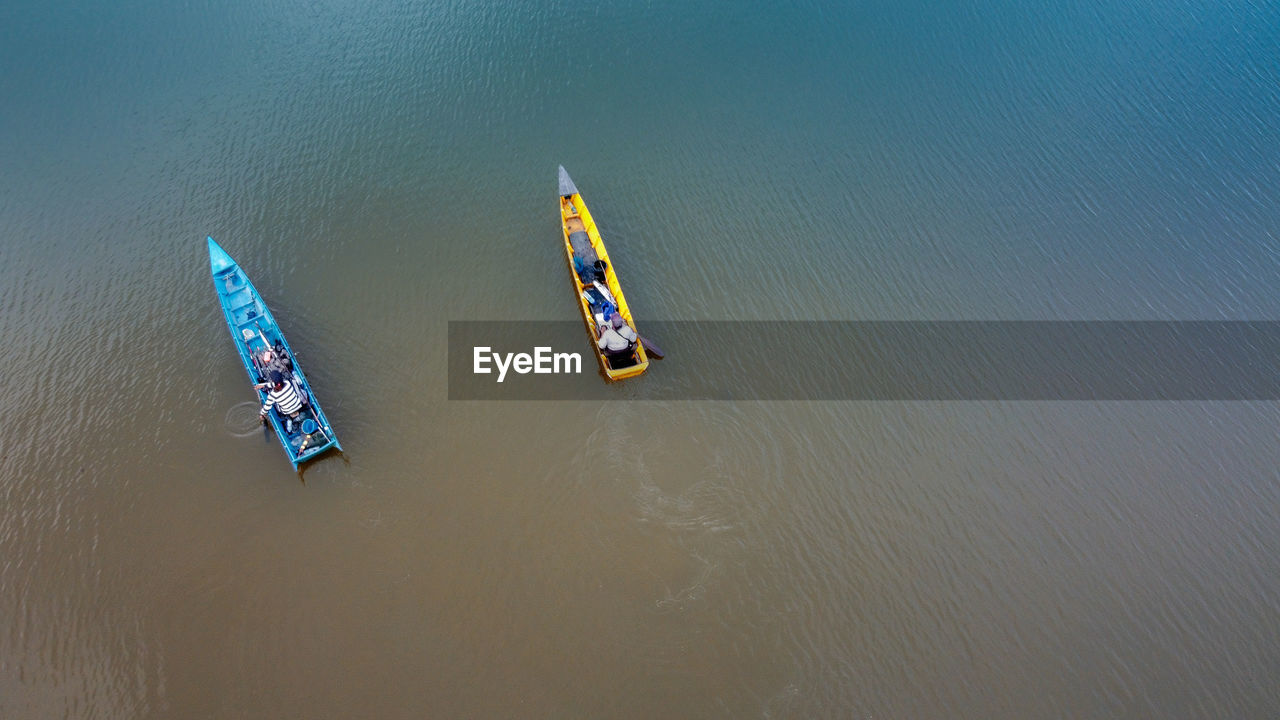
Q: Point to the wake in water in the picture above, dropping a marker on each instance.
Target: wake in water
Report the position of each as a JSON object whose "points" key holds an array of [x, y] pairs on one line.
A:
{"points": [[242, 419], [681, 598]]}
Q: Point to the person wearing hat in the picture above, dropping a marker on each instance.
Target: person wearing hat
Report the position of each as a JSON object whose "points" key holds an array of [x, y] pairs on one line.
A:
{"points": [[617, 339], [285, 397]]}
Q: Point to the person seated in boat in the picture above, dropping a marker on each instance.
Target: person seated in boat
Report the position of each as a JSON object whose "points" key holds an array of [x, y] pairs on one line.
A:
{"points": [[287, 399], [273, 361], [617, 339]]}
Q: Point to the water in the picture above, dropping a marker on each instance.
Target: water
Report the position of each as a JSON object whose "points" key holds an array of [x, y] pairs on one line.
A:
{"points": [[380, 169]]}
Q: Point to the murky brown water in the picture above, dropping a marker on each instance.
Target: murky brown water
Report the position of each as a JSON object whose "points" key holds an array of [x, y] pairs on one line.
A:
{"points": [[379, 172]]}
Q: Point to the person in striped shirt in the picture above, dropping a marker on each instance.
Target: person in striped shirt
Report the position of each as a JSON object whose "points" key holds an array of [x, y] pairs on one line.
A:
{"points": [[285, 397]]}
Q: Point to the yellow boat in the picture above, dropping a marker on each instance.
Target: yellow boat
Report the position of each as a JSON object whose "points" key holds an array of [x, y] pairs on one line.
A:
{"points": [[582, 242]]}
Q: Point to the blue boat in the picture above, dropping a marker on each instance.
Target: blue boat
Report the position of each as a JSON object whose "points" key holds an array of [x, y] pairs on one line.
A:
{"points": [[254, 330]]}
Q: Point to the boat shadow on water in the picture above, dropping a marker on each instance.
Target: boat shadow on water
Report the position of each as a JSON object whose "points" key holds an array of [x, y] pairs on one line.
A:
{"points": [[305, 464]]}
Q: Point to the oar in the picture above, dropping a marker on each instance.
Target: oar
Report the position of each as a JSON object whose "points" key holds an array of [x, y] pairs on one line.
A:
{"points": [[650, 347], [253, 360], [262, 372], [266, 428], [262, 335], [319, 425]]}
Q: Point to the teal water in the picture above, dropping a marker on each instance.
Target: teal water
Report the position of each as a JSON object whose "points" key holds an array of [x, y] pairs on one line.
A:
{"points": [[382, 169]]}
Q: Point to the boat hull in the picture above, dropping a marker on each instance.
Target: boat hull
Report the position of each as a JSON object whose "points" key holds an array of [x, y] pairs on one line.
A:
{"points": [[576, 218], [253, 329]]}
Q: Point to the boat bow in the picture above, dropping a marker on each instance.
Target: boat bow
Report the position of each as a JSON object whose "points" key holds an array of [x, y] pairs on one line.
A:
{"points": [[566, 184], [219, 260]]}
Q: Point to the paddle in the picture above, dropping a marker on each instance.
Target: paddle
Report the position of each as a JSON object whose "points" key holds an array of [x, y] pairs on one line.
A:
{"points": [[266, 427], [262, 335], [650, 347], [253, 360]]}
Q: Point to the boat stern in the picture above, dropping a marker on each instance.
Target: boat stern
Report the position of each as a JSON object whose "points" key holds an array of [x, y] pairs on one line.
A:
{"points": [[626, 372]]}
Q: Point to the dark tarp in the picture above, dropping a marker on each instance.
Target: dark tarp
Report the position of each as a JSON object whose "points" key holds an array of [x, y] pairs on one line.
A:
{"points": [[582, 248]]}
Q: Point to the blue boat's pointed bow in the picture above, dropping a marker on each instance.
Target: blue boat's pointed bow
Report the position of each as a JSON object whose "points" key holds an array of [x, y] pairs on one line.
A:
{"points": [[566, 184], [219, 260]]}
